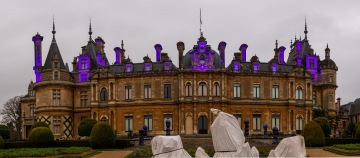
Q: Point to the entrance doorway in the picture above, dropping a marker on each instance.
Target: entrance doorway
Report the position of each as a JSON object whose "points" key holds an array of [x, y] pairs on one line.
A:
{"points": [[189, 125], [203, 125]]}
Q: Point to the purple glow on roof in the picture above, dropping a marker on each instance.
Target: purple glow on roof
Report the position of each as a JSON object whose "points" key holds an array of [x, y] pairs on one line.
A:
{"points": [[256, 66], [83, 76], [98, 57], [167, 65], [37, 75], [298, 46], [281, 54], [236, 65], [37, 39], [84, 62], [158, 49], [117, 55], [128, 68], [243, 48], [274, 67], [147, 67]]}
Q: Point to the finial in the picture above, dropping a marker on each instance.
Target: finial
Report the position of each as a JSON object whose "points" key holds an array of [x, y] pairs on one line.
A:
{"points": [[291, 43], [276, 44], [122, 44], [295, 38], [90, 32], [305, 31], [327, 45], [53, 32], [200, 23]]}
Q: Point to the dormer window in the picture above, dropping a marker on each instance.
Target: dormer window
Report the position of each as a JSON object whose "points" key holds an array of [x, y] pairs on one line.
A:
{"points": [[167, 66], [236, 66], [256, 66], [128, 68], [56, 75], [83, 64], [274, 67], [56, 65], [147, 67]]}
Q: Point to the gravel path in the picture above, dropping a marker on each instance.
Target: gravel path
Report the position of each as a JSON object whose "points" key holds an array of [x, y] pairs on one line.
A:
{"points": [[112, 154], [319, 152]]}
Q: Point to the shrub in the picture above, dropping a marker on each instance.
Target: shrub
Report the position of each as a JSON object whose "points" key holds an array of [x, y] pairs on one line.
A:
{"points": [[39, 124], [358, 132], [86, 126], [313, 135], [332, 141], [324, 124], [41, 136], [102, 136], [4, 132], [1, 143]]}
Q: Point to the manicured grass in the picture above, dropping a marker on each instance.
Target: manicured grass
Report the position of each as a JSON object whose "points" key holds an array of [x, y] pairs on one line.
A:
{"points": [[42, 152], [348, 146], [345, 149]]}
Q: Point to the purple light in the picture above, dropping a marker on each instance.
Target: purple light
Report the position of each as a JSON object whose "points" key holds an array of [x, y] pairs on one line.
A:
{"points": [[37, 39], [84, 62], [158, 49], [147, 67], [256, 66], [236, 66], [118, 55], [167, 66], [98, 56], [221, 48], [274, 67], [37, 75], [83, 77], [298, 46], [128, 68], [243, 48], [281, 54]]}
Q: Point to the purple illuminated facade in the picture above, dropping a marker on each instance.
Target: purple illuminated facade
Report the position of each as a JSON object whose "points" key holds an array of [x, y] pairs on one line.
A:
{"points": [[202, 56], [243, 48], [281, 55], [83, 67], [117, 55], [236, 65], [37, 39], [158, 49], [221, 48]]}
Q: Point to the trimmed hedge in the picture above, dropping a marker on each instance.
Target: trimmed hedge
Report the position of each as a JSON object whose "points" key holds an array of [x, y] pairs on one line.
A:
{"points": [[333, 141], [4, 132], [324, 124], [41, 136], [86, 126], [102, 136], [357, 132], [39, 124], [1, 143], [313, 135]]}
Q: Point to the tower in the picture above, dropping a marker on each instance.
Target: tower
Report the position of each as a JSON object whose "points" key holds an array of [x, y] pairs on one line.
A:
{"points": [[37, 39]]}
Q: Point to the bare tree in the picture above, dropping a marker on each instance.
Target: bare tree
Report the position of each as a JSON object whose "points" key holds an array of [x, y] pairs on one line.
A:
{"points": [[12, 116]]}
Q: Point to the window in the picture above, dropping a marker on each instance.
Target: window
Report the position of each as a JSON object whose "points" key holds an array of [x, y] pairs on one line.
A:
{"points": [[56, 124], [148, 121], [202, 91], [216, 90], [314, 98], [32, 110], [56, 65], [147, 91], [104, 95], [167, 90], [188, 90], [83, 98], [256, 91], [330, 98], [275, 92], [104, 119], [275, 120], [83, 77], [236, 90], [83, 64], [256, 122], [128, 123], [56, 97], [299, 93], [56, 75], [168, 117], [256, 67], [238, 117], [31, 93], [127, 92], [312, 63], [299, 123], [331, 79]]}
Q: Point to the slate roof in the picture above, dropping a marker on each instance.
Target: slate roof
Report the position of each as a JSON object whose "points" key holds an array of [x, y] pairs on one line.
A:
{"points": [[54, 52], [187, 60], [353, 107], [305, 49], [264, 67], [139, 67]]}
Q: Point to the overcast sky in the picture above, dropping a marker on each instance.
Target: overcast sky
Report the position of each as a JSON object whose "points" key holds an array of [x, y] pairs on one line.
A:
{"points": [[142, 24]]}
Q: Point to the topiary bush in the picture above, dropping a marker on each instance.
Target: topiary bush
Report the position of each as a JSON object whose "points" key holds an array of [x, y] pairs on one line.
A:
{"points": [[1, 143], [324, 124], [358, 132], [39, 124], [102, 136], [86, 126], [313, 135], [4, 132], [41, 136]]}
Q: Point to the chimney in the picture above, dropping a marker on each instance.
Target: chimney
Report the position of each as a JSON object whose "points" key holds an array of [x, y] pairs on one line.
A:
{"points": [[37, 39], [243, 48], [99, 45], [181, 47], [221, 48], [117, 55], [158, 49], [281, 55]]}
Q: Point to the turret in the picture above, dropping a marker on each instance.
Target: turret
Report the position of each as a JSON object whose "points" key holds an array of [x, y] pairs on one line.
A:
{"points": [[243, 48], [37, 39], [221, 48], [158, 49], [181, 47]]}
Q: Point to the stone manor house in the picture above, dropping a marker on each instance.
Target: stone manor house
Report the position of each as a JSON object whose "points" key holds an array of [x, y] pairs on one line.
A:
{"points": [[129, 95]]}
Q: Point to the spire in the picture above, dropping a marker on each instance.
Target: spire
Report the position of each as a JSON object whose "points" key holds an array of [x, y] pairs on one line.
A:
{"points": [[53, 31], [291, 43], [122, 44], [305, 31], [90, 32], [200, 24]]}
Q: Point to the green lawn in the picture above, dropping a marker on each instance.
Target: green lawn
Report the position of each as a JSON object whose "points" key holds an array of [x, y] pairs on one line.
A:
{"points": [[42, 152], [345, 149]]}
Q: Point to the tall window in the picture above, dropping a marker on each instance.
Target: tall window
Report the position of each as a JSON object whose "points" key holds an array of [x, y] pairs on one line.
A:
{"points": [[236, 90], [56, 75], [32, 110], [83, 98], [275, 120], [167, 90], [168, 117], [216, 90], [83, 64], [84, 77], [299, 123], [188, 90], [256, 122], [299, 93], [275, 92], [56, 124], [56, 65], [148, 121], [314, 98], [331, 79], [128, 123], [104, 96], [202, 90], [256, 91], [238, 117], [56, 97], [127, 92], [147, 91], [331, 98]]}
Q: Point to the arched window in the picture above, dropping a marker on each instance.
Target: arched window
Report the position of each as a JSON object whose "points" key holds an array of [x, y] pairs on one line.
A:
{"points": [[188, 90], [299, 123], [104, 95], [216, 89], [202, 91], [299, 93]]}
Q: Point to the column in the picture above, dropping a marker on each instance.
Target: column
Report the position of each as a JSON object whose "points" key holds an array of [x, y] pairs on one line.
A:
{"points": [[306, 116], [195, 120], [289, 121]]}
